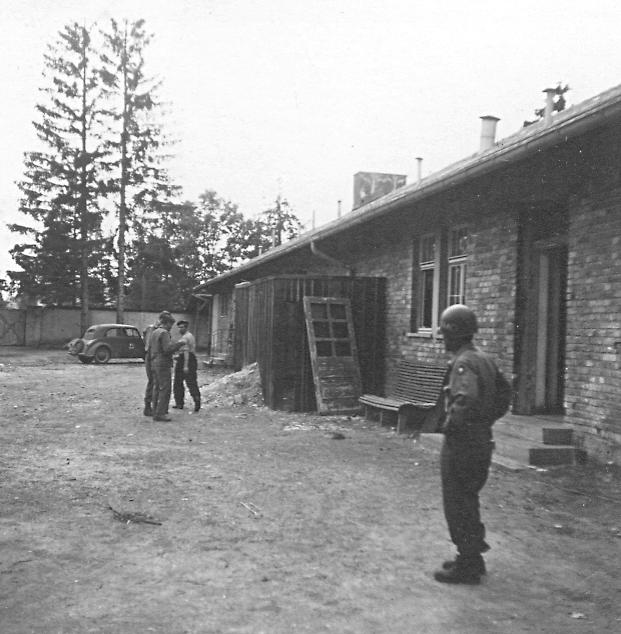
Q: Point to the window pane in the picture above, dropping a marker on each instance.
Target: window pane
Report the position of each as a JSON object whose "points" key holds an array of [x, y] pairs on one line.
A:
{"points": [[319, 311], [342, 349], [324, 349], [427, 298], [340, 330], [321, 329], [456, 286], [427, 249], [458, 242], [337, 311]]}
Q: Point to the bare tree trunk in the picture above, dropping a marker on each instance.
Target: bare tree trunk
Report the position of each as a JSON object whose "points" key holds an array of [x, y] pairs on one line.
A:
{"points": [[84, 249], [120, 296]]}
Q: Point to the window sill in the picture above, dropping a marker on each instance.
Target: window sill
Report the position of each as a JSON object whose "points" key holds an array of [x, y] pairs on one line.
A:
{"points": [[421, 334]]}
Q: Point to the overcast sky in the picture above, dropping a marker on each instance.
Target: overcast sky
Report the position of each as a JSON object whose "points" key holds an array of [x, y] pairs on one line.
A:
{"points": [[293, 97]]}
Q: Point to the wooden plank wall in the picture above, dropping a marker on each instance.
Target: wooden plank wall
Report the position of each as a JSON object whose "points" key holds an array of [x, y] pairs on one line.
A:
{"points": [[270, 329]]}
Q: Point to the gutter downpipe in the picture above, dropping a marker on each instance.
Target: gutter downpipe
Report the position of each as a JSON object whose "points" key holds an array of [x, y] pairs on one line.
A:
{"points": [[330, 259]]}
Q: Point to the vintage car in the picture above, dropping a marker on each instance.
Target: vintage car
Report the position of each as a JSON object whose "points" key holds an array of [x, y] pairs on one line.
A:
{"points": [[103, 342]]}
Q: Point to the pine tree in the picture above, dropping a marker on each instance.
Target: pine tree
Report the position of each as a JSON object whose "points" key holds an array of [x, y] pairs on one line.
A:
{"points": [[137, 141], [63, 182]]}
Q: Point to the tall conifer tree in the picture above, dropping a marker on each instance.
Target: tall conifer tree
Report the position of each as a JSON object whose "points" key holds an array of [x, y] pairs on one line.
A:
{"points": [[62, 182], [137, 142]]}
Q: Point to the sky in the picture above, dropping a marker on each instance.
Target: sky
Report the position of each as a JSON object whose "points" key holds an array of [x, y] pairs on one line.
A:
{"points": [[293, 97]]}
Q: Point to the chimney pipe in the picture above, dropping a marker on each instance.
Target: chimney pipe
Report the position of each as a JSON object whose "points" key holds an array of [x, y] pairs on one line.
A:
{"points": [[488, 131], [419, 169], [549, 109], [338, 209]]}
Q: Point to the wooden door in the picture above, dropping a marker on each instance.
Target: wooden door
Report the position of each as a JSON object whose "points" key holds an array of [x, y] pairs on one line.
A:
{"points": [[550, 334], [333, 352]]}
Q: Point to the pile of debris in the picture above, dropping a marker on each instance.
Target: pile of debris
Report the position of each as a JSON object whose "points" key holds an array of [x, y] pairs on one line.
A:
{"points": [[239, 388]]}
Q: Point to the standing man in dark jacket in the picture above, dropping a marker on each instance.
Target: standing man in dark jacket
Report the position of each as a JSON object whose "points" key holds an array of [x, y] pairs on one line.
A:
{"points": [[475, 395], [161, 350], [148, 392]]}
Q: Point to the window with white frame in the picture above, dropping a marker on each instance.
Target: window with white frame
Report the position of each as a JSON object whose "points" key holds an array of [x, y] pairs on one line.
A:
{"points": [[457, 255], [427, 280], [440, 276]]}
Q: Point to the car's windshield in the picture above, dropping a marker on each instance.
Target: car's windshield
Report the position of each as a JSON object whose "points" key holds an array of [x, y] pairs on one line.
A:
{"points": [[90, 333]]}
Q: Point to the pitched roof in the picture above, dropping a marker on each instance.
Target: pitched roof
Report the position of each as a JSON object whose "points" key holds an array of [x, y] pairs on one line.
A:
{"points": [[575, 120]]}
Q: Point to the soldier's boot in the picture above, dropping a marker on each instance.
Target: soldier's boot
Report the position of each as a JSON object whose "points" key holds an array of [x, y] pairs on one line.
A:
{"points": [[465, 569], [197, 404], [148, 411], [479, 566], [478, 562]]}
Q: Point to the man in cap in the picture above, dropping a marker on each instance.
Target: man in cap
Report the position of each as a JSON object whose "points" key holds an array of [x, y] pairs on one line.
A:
{"points": [[161, 350], [185, 368], [475, 395]]}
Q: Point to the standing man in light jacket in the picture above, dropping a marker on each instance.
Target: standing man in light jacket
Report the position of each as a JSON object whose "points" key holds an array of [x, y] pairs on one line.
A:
{"points": [[476, 394], [161, 350], [186, 368]]}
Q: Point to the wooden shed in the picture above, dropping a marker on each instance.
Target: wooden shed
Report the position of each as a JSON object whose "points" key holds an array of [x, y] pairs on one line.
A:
{"points": [[270, 329]]}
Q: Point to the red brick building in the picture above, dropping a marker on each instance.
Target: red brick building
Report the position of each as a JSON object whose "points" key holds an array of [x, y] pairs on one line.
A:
{"points": [[528, 233]]}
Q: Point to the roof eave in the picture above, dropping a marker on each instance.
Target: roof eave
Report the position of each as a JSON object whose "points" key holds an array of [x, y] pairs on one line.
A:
{"points": [[539, 136]]}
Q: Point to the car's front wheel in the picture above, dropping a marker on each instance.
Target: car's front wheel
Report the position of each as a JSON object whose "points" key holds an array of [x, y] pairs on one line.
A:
{"points": [[102, 355]]}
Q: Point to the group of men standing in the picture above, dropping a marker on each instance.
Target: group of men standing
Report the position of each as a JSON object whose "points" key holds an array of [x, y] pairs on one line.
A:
{"points": [[159, 353]]}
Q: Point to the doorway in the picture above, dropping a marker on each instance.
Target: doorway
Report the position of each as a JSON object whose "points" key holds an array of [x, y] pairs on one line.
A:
{"points": [[541, 314], [550, 332]]}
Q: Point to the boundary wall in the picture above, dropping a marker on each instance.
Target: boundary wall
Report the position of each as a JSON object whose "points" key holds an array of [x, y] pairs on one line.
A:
{"points": [[41, 326]]}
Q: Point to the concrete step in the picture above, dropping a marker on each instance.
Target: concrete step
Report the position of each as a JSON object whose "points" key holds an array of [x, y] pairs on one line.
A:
{"points": [[523, 427], [558, 436], [519, 442], [555, 455]]}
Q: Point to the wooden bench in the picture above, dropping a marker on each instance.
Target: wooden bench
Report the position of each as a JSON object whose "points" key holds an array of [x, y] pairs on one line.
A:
{"points": [[413, 400]]}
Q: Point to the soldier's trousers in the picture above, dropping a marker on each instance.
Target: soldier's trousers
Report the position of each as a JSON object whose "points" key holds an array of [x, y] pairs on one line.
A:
{"points": [[190, 380], [464, 472], [162, 378], [148, 392]]}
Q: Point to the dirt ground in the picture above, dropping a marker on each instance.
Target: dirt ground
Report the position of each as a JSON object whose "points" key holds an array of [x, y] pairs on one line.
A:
{"points": [[240, 519]]}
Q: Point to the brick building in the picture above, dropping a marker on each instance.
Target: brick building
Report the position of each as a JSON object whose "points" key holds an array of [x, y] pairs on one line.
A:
{"points": [[528, 233]]}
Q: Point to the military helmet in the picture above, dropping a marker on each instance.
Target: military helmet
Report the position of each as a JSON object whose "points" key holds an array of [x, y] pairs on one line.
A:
{"points": [[166, 317], [459, 321]]}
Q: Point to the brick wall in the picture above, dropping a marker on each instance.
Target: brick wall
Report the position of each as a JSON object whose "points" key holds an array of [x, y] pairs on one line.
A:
{"points": [[491, 284], [593, 382], [491, 275]]}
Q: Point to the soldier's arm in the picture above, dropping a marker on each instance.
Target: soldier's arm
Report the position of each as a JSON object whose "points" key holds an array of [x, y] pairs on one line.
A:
{"points": [[168, 346], [464, 406]]}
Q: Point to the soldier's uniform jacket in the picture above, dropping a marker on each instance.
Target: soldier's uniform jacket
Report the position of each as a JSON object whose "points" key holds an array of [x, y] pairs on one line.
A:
{"points": [[161, 348], [470, 397]]}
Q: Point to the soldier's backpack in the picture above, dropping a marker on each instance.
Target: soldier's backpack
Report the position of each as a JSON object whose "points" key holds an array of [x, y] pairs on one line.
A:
{"points": [[504, 394]]}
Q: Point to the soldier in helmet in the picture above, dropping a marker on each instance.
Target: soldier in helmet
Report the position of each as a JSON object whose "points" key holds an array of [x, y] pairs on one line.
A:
{"points": [[148, 393], [160, 355], [475, 395]]}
